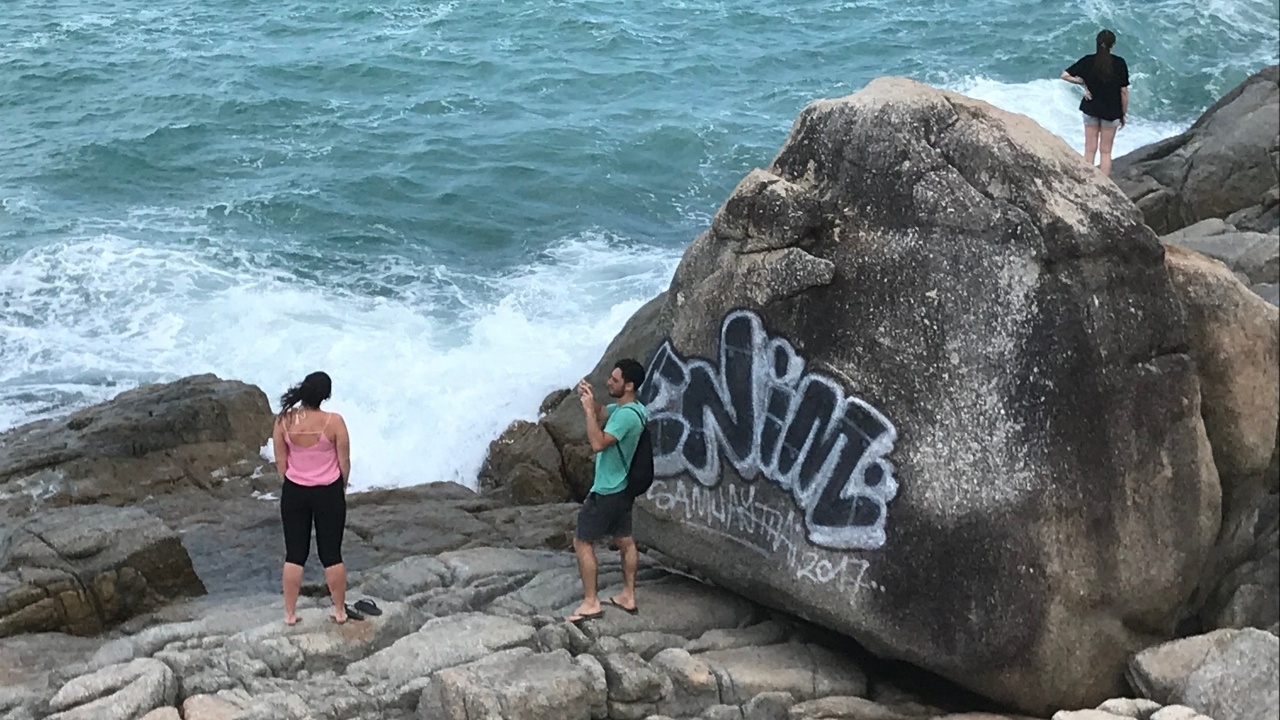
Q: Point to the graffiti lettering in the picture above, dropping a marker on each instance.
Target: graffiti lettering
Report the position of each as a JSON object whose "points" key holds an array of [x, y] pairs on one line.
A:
{"points": [[768, 417], [733, 513]]}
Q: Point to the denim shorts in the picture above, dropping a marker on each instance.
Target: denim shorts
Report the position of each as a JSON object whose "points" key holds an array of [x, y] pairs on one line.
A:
{"points": [[1091, 120]]}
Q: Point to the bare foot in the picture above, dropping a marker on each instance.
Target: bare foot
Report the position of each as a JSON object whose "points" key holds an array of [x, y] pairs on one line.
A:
{"points": [[291, 620], [586, 611], [338, 616]]}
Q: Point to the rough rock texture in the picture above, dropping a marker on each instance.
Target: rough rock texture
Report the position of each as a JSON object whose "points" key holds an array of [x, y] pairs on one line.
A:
{"points": [[1248, 595], [1129, 709], [472, 634], [1141, 708], [513, 685], [525, 463], [27, 663], [153, 440], [116, 692], [1234, 337], [1227, 674], [1252, 254], [926, 385], [1254, 258], [208, 707], [80, 569], [1225, 166]]}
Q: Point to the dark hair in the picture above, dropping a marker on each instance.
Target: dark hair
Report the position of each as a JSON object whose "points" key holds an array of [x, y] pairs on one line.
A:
{"points": [[632, 372], [313, 390], [1102, 58]]}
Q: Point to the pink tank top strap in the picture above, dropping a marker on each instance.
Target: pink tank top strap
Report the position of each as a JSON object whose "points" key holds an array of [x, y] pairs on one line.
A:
{"points": [[315, 464]]}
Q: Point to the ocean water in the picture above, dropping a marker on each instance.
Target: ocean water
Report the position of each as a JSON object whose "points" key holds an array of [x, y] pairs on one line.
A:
{"points": [[452, 207]]}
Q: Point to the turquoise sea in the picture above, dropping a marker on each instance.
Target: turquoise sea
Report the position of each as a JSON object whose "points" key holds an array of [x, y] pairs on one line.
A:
{"points": [[453, 206]]}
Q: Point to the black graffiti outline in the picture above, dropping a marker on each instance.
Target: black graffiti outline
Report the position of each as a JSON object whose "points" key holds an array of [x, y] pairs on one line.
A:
{"points": [[797, 429]]}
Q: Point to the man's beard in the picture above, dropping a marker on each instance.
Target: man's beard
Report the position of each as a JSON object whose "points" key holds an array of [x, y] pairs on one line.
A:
{"points": [[613, 394]]}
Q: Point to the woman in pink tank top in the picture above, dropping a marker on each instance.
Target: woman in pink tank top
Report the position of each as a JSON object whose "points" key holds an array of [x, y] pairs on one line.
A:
{"points": [[313, 455]]}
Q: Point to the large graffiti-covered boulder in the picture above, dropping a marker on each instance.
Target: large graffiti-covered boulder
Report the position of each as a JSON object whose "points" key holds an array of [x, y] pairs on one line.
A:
{"points": [[925, 382]]}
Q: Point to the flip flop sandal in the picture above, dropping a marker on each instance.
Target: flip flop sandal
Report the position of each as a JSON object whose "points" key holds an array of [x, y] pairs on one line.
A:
{"points": [[575, 619], [353, 614], [368, 607], [630, 611]]}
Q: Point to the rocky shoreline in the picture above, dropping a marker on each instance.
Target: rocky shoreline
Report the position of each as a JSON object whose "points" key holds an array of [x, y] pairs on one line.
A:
{"points": [[140, 546]]}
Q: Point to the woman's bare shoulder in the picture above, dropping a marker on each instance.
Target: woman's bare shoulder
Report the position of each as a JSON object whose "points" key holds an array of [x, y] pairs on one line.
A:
{"points": [[290, 420]]}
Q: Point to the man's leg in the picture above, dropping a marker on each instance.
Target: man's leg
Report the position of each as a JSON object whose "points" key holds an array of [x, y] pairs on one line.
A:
{"points": [[586, 553], [630, 561], [622, 537], [591, 522]]}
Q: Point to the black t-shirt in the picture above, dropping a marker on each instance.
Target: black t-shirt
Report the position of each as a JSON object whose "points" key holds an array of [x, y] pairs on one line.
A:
{"points": [[1106, 93]]}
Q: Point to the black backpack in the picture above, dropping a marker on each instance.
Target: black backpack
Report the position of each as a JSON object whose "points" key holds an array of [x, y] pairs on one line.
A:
{"points": [[640, 471]]}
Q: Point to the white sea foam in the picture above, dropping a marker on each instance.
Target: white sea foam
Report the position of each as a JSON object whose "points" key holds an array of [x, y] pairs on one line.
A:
{"points": [[84, 319], [20, 206], [1055, 105]]}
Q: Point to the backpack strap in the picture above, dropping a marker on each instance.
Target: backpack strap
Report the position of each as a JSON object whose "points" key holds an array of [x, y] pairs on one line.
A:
{"points": [[627, 463]]}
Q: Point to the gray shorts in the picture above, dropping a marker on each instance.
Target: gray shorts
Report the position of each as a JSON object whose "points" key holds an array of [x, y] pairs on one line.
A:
{"points": [[604, 516], [1090, 120]]}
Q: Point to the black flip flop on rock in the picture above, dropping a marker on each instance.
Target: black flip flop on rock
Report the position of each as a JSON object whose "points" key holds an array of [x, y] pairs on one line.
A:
{"points": [[368, 607], [352, 613], [628, 610], [575, 619]]}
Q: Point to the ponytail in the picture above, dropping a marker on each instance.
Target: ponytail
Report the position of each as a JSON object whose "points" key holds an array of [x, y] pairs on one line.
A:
{"points": [[1102, 58], [313, 390]]}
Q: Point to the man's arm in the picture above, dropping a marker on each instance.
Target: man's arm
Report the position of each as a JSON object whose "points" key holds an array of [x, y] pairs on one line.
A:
{"points": [[599, 439], [592, 411], [602, 412]]}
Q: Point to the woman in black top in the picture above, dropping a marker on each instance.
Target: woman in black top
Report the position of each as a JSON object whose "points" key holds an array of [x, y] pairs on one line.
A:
{"points": [[1105, 78]]}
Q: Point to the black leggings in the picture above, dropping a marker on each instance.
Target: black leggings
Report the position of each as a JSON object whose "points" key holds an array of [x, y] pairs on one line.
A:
{"points": [[299, 505]]}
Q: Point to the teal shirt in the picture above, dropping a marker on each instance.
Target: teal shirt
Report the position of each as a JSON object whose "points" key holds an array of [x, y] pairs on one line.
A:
{"points": [[611, 466]]}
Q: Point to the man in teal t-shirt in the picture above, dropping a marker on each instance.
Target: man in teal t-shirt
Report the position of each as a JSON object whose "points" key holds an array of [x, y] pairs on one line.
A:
{"points": [[625, 421], [607, 510]]}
